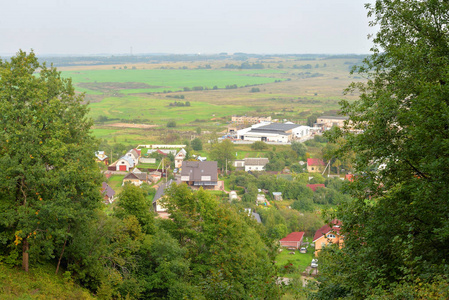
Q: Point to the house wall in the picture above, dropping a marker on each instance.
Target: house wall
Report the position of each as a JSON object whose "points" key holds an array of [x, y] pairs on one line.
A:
{"points": [[133, 181], [178, 162], [122, 162], [315, 169], [290, 244], [323, 241], [269, 137], [301, 131], [254, 168]]}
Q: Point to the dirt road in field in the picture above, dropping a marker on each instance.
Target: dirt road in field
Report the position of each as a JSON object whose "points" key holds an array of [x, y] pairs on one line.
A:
{"points": [[129, 125]]}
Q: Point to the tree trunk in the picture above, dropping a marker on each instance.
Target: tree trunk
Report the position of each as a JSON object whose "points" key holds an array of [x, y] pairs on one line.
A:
{"points": [[25, 258], [62, 252]]}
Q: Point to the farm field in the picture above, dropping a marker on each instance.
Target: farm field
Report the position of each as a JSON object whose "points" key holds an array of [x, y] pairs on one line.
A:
{"points": [[146, 93], [131, 81]]}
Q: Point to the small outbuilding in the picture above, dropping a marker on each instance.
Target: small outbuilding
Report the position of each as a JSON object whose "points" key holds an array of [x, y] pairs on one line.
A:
{"points": [[292, 240]]}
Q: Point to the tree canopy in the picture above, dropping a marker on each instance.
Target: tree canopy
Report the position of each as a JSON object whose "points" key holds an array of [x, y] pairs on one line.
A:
{"points": [[48, 180], [396, 231]]}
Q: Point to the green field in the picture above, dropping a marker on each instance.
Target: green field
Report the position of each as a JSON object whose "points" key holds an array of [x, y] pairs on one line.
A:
{"points": [[156, 80], [159, 111]]}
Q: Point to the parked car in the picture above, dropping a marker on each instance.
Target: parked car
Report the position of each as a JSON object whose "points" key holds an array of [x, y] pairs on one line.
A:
{"points": [[303, 250], [314, 263]]}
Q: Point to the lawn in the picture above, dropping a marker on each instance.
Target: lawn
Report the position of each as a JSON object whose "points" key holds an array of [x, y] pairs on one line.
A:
{"points": [[115, 182], [299, 260]]}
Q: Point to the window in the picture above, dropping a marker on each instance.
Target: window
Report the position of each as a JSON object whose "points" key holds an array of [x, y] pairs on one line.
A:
{"points": [[331, 236]]}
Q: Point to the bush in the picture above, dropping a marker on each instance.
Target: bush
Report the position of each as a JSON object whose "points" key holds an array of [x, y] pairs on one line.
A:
{"points": [[171, 124], [259, 145]]}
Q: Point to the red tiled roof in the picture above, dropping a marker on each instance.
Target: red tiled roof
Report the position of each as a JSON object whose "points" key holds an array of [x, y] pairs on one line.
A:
{"points": [[160, 152], [138, 151], [326, 229], [315, 162], [349, 177], [293, 237], [315, 186]]}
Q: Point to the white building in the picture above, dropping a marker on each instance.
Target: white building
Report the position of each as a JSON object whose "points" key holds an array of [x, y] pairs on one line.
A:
{"points": [[274, 132]]}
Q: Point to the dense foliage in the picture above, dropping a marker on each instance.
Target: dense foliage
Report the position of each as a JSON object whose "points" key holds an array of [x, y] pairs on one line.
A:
{"points": [[396, 232], [48, 179]]}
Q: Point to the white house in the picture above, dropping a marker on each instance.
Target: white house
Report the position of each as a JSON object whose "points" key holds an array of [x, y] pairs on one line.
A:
{"points": [[255, 164], [133, 154], [125, 163], [251, 164], [179, 158]]}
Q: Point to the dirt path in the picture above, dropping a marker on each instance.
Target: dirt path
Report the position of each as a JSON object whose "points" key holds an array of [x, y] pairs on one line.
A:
{"points": [[129, 125]]}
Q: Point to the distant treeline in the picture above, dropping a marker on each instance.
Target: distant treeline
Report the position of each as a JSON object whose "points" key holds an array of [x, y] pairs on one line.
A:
{"points": [[158, 58], [244, 65]]}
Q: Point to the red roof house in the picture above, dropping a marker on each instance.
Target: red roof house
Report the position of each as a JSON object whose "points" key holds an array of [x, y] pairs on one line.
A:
{"points": [[293, 240], [315, 186], [327, 234], [315, 165]]}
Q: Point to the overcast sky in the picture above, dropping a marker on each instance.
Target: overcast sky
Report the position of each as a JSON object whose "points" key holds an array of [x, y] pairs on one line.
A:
{"points": [[184, 26]]}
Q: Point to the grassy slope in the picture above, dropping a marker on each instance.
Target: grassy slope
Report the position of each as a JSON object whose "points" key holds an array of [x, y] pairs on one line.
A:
{"points": [[39, 283]]}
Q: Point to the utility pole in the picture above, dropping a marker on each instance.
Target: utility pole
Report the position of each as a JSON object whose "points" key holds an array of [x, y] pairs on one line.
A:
{"points": [[226, 166]]}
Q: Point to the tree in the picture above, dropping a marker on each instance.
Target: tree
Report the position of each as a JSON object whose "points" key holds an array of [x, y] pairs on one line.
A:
{"points": [[49, 182], [132, 202], [197, 144], [228, 258], [171, 124], [223, 153], [259, 145], [299, 148], [402, 207]]}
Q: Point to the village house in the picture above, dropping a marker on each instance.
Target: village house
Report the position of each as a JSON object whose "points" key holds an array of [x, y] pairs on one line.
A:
{"points": [[154, 176], [199, 173], [314, 186], [251, 164], [315, 165], [134, 154], [277, 196], [233, 196], [136, 177], [327, 122], [108, 193], [160, 194], [125, 163], [328, 234], [100, 156], [292, 240], [255, 164], [179, 158], [253, 215]]}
